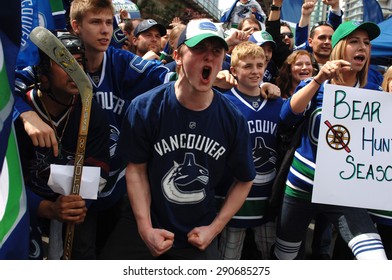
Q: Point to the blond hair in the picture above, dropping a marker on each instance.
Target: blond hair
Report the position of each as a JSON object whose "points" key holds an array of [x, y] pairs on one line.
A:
{"points": [[387, 79], [175, 34], [79, 8], [244, 50], [338, 53]]}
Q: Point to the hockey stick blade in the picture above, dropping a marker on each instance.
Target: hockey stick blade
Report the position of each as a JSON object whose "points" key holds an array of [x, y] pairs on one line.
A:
{"points": [[52, 47]]}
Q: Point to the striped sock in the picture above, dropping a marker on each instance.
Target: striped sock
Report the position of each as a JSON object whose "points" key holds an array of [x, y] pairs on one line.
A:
{"points": [[367, 246]]}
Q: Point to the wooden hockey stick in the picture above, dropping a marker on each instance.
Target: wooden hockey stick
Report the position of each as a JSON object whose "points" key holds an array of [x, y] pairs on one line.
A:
{"points": [[52, 47]]}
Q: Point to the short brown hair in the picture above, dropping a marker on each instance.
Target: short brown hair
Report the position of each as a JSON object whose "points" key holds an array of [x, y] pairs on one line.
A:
{"points": [[250, 19], [80, 7]]}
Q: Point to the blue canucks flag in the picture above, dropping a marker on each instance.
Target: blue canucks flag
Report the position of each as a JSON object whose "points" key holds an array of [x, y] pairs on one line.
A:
{"points": [[33, 13], [14, 219], [372, 11]]}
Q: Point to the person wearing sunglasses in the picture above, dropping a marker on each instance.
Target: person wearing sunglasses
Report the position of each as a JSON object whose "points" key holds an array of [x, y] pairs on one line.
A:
{"points": [[287, 35]]}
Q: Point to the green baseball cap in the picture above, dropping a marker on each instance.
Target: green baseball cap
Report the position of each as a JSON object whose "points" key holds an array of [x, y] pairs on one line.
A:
{"points": [[199, 29], [349, 27], [262, 37]]}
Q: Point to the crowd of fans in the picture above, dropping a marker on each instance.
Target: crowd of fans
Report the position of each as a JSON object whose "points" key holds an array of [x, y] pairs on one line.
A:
{"points": [[186, 130]]}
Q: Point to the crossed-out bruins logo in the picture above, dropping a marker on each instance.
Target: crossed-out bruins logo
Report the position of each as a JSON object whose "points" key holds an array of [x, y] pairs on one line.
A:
{"points": [[180, 177], [337, 137]]}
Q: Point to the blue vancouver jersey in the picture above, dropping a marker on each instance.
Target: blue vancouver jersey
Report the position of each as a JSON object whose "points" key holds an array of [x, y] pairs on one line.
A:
{"points": [[301, 174], [187, 153], [262, 121], [36, 160], [123, 76]]}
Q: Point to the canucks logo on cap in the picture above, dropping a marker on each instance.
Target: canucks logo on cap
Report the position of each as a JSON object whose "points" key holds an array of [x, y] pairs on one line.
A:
{"points": [[208, 26], [266, 36], [151, 21]]}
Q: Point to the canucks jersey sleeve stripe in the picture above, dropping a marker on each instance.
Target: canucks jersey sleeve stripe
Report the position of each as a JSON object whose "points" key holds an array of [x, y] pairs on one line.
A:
{"points": [[382, 217], [296, 192], [299, 171], [304, 160], [298, 181], [301, 174]]}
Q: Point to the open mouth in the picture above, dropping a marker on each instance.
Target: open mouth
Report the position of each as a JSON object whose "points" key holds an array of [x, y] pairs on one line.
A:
{"points": [[103, 41], [360, 58], [305, 73], [206, 72]]}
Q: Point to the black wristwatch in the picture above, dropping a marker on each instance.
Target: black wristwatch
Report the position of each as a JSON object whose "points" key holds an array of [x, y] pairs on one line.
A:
{"points": [[275, 8]]}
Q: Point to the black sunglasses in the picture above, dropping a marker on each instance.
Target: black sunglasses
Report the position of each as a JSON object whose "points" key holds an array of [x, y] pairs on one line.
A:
{"points": [[288, 34]]}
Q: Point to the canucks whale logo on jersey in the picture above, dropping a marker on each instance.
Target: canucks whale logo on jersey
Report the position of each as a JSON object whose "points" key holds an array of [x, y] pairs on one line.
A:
{"points": [[265, 160], [179, 183]]}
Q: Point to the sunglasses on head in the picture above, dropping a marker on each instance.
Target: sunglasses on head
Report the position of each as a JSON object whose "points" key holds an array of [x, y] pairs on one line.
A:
{"points": [[288, 34]]}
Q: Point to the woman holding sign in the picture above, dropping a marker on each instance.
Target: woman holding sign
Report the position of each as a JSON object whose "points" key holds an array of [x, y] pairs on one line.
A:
{"points": [[348, 66]]}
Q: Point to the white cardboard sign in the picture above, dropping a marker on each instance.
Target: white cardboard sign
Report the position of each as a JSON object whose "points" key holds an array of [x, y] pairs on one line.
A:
{"points": [[354, 155]]}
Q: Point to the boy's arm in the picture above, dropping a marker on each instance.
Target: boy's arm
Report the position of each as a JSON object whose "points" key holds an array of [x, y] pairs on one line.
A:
{"points": [[157, 240], [269, 91], [40, 132], [225, 80], [201, 237]]}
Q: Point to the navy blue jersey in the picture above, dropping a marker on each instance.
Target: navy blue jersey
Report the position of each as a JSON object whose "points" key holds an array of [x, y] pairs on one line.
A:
{"points": [[124, 76], [262, 117], [187, 153], [301, 174], [36, 160]]}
